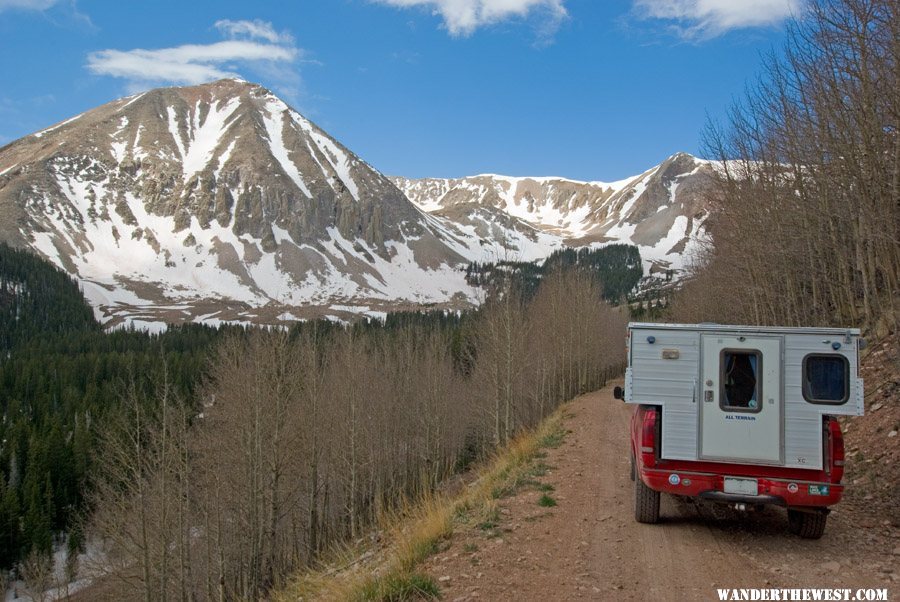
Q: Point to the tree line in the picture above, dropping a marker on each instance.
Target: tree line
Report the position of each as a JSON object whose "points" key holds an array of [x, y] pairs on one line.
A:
{"points": [[618, 266], [806, 221], [300, 438]]}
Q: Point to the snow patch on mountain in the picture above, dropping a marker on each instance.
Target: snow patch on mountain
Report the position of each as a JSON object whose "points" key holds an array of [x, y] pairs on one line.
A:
{"points": [[204, 134], [275, 123]]}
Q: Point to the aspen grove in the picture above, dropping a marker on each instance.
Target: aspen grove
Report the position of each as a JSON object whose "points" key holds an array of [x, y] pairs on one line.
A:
{"points": [[305, 436]]}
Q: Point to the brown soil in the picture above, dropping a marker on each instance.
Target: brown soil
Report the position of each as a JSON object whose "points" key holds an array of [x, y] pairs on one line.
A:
{"points": [[873, 440], [589, 546]]}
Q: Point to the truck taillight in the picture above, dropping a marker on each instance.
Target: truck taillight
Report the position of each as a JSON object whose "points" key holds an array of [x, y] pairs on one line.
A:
{"points": [[836, 438], [648, 438]]}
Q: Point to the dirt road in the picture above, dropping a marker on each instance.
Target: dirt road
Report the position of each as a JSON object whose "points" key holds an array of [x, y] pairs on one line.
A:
{"points": [[589, 547]]}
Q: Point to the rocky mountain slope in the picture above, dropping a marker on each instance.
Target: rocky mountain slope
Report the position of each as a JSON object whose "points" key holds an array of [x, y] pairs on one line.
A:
{"points": [[661, 210], [220, 202]]}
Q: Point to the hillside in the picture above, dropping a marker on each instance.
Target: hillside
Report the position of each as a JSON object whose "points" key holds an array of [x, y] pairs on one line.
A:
{"points": [[873, 447], [36, 299]]}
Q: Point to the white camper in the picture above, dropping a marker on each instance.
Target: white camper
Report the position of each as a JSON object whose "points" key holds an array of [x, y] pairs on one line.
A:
{"points": [[747, 408]]}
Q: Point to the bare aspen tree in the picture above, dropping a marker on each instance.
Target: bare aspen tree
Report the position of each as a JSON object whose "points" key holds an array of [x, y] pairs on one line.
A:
{"points": [[501, 343], [347, 371], [313, 409], [142, 494], [807, 224], [250, 456], [36, 572]]}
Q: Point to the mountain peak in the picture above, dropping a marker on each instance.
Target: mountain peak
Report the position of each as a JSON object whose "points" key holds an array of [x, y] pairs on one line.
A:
{"points": [[218, 191]]}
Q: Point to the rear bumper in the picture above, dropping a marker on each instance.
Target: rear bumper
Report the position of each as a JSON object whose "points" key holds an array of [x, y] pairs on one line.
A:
{"points": [[782, 492]]}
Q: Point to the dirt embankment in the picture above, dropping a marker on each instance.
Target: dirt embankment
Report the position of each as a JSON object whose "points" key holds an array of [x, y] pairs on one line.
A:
{"points": [[588, 545], [873, 446]]}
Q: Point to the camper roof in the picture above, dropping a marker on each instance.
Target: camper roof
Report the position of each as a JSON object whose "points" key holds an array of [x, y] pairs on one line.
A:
{"points": [[711, 327]]}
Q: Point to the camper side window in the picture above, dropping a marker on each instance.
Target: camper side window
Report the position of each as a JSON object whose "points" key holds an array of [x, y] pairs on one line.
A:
{"points": [[741, 380], [826, 379]]}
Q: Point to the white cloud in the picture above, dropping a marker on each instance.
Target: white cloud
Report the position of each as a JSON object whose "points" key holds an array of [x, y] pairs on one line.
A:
{"points": [[198, 63], [26, 4], [253, 29], [462, 17], [699, 19]]}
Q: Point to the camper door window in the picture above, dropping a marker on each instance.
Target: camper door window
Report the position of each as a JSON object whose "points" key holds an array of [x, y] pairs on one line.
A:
{"points": [[741, 378], [826, 378]]}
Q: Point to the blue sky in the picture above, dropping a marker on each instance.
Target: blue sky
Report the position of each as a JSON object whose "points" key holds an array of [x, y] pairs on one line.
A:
{"points": [[587, 89]]}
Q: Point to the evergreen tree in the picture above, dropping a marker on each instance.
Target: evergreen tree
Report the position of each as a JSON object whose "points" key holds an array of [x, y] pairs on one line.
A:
{"points": [[60, 378]]}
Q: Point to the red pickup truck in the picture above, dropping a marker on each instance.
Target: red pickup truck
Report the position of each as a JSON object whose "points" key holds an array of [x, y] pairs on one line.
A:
{"points": [[741, 415]]}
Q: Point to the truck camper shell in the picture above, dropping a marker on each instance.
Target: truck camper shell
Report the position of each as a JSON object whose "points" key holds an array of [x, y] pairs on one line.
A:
{"points": [[742, 414], [745, 394]]}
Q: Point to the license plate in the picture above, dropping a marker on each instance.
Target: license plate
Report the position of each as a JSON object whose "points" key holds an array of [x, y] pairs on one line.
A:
{"points": [[741, 486], [818, 490]]}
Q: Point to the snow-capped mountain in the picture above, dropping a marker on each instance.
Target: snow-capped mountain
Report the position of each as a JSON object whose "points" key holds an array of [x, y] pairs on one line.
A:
{"points": [[220, 202], [660, 210]]}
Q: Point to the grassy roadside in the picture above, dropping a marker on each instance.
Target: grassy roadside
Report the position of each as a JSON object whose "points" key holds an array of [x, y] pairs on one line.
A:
{"points": [[417, 532]]}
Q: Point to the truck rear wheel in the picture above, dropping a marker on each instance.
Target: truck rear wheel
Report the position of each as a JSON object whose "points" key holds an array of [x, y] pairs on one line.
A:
{"points": [[808, 525], [646, 503]]}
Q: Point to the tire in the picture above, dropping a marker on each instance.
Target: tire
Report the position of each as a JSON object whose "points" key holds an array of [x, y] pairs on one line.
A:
{"points": [[646, 503], [808, 525], [631, 456]]}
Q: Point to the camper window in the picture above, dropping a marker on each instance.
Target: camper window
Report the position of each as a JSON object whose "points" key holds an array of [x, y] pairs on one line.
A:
{"points": [[741, 380], [826, 379]]}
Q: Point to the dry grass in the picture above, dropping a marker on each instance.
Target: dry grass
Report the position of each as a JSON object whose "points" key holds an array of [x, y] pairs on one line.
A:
{"points": [[416, 531]]}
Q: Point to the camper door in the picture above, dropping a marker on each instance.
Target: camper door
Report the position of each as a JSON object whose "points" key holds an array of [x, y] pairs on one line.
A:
{"points": [[742, 405]]}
